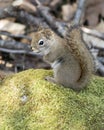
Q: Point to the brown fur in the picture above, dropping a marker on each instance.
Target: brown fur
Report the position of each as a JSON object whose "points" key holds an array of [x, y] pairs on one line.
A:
{"points": [[71, 61], [83, 56]]}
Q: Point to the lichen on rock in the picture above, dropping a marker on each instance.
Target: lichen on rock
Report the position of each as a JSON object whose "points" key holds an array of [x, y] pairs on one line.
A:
{"points": [[28, 102]]}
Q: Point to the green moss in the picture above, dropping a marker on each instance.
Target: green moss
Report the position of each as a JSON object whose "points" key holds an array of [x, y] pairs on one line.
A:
{"points": [[28, 102]]}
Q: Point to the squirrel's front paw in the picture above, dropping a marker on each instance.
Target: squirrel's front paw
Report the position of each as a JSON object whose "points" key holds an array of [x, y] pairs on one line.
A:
{"points": [[50, 79]]}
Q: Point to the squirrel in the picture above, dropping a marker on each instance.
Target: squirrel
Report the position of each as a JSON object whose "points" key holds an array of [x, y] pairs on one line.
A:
{"points": [[69, 57]]}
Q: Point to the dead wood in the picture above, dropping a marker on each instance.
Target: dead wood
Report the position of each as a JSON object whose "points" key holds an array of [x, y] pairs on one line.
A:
{"points": [[45, 18], [15, 36], [26, 5], [12, 44], [93, 33], [19, 51], [22, 16], [79, 12]]}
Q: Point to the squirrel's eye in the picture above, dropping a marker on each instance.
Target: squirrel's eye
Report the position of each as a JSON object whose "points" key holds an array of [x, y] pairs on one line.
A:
{"points": [[41, 42]]}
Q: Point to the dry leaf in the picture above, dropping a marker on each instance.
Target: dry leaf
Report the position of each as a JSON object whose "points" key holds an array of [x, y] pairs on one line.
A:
{"points": [[14, 28], [68, 11], [100, 27], [5, 3], [94, 8]]}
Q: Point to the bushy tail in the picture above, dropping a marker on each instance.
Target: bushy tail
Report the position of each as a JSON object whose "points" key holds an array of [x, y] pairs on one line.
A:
{"points": [[84, 78], [82, 55]]}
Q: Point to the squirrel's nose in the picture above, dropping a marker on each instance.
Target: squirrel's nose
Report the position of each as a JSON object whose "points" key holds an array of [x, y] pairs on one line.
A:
{"points": [[30, 47]]}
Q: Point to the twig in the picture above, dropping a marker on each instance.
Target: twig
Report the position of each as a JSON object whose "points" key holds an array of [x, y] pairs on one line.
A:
{"points": [[20, 36], [93, 42], [22, 16], [19, 51], [93, 33], [99, 47], [100, 67], [80, 11], [101, 59], [37, 2], [55, 3], [44, 11], [11, 44], [25, 5], [59, 27]]}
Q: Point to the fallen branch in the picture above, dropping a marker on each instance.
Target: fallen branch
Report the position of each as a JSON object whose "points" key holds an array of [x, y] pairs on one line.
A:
{"points": [[59, 27], [100, 68], [14, 45], [21, 16], [55, 3], [93, 33], [31, 20], [79, 12], [24, 5], [19, 51], [101, 59], [20, 36], [93, 41]]}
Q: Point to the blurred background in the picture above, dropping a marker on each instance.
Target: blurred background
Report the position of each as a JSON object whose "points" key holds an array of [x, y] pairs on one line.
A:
{"points": [[19, 19]]}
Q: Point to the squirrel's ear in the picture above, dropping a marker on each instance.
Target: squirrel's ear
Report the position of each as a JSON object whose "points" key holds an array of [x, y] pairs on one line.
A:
{"points": [[48, 32], [40, 28]]}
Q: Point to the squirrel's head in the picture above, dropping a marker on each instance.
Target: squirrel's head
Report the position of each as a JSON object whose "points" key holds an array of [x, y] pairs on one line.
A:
{"points": [[42, 41]]}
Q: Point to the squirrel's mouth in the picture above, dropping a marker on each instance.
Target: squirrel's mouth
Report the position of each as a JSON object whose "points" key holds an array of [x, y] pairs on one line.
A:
{"points": [[35, 50]]}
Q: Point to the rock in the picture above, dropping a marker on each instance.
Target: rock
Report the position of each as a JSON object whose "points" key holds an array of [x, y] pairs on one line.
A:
{"points": [[28, 102]]}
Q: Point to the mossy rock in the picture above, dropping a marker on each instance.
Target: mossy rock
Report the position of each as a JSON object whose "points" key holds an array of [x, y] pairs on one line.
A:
{"points": [[28, 102]]}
